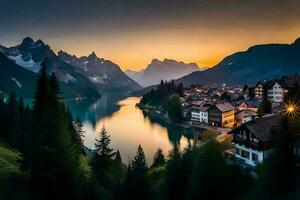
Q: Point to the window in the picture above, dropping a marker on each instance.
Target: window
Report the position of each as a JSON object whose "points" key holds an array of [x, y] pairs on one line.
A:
{"points": [[254, 157], [245, 154]]}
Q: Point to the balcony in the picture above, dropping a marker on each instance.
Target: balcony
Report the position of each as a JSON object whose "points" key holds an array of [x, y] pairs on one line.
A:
{"points": [[247, 143]]}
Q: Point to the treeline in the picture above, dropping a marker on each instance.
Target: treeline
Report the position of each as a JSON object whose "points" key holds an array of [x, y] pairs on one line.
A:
{"points": [[166, 97], [42, 157]]}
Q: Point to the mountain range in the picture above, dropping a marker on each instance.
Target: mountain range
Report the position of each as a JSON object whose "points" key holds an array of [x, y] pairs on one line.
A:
{"points": [[260, 62], [157, 70], [106, 75], [19, 66]]}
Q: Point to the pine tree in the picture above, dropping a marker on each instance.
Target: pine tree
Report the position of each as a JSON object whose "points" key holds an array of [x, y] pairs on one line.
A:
{"points": [[136, 185], [55, 166], [118, 158], [139, 161], [158, 159], [102, 161], [78, 134], [41, 92], [174, 183], [14, 122]]}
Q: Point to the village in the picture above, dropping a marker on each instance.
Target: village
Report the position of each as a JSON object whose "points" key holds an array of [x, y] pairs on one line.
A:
{"points": [[245, 116]]}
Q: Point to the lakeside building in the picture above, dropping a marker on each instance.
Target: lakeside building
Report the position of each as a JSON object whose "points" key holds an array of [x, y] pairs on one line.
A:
{"points": [[253, 140], [199, 113], [222, 115]]}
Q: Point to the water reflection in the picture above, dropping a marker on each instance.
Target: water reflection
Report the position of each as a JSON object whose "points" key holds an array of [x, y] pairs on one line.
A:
{"points": [[127, 125]]}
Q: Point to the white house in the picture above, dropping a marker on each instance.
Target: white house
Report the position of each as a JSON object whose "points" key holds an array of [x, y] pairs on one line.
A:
{"points": [[275, 93], [199, 113], [253, 140]]}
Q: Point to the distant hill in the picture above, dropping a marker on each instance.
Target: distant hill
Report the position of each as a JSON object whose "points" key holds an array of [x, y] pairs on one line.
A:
{"points": [[162, 70], [260, 62], [106, 75]]}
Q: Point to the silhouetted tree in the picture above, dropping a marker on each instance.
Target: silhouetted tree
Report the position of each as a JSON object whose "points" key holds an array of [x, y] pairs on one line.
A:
{"points": [[158, 159]]}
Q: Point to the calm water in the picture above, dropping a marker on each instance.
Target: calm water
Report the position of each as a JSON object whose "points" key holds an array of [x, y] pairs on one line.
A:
{"points": [[127, 125]]}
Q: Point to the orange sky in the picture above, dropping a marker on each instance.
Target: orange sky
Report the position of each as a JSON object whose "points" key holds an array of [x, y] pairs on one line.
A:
{"points": [[133, 32], [206, 48]]}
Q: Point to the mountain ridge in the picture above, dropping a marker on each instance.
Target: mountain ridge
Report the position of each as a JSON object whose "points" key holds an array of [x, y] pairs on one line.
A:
{"points": [[166, 69], [105, 74], [259, 62]]}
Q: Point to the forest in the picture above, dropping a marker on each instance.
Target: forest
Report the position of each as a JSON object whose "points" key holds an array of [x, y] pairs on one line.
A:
{"points": [[42, 156]]}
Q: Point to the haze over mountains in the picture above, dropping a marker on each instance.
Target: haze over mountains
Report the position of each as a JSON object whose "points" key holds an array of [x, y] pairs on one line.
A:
{"points": [[162, 70], [260, 62]]}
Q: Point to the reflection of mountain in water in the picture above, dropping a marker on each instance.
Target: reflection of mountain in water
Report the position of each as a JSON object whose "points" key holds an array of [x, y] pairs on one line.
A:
{"points": [[93, 110], [175, 133]]}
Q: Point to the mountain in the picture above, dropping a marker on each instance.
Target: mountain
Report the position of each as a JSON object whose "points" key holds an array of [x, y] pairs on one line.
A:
{"points": [[135, 75], [163, 70], [14, 78], [260, 62], [30, 54], [106, 75]]}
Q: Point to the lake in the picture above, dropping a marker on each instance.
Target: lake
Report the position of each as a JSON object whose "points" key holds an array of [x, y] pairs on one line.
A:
{"points": [[127, 126]]}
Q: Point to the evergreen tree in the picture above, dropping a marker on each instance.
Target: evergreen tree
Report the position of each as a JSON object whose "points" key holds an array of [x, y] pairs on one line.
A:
{"points": [[14, 130], [136, 185], [139, 161], [78, 134], [158, 159], [118, 158], [175, 179], [55, 166], [102, 160], [209, 174]]}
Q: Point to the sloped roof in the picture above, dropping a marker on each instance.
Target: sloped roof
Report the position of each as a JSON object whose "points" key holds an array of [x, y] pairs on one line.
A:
{"points": [[262, 127], [203, 107], [244, 113], [224, 107]]}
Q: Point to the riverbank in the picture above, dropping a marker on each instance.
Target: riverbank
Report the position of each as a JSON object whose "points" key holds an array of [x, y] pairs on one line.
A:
{"points": [[163, 116], [152, 112]]}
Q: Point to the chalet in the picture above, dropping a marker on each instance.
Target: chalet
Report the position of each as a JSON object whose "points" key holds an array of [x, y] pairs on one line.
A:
{"points": [[221, 114], [253, 140], [259, 90], [275, 92], [273, 89], [245, 115], [252, 104], [199, 113]]}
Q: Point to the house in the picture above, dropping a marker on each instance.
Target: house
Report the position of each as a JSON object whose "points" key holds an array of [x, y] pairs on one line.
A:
{"points": [[245, 115], [259, 90], [272, 89], [253, 140], [252, 104], [275, 92], [200, 113], [221, 114]]}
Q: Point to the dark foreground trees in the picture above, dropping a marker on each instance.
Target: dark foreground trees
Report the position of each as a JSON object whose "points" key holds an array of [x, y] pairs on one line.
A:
{"points": [[42, 157]]}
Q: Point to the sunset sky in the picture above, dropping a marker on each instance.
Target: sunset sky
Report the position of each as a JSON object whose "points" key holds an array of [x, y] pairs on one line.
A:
{"points": [[132, 32]]}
